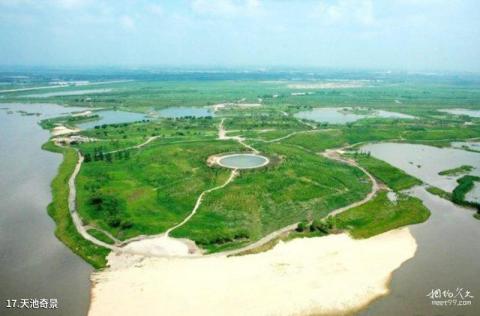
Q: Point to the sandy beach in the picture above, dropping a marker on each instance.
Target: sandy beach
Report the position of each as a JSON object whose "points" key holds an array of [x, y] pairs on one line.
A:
{"points": [[329, 275], [62, 130]]}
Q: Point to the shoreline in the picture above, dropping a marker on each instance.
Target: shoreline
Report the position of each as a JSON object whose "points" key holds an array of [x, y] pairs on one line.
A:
{"points": [[361, 270]]}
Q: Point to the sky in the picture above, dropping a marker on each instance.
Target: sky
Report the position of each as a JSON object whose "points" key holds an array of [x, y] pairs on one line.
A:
{"points": [[423, 35]]}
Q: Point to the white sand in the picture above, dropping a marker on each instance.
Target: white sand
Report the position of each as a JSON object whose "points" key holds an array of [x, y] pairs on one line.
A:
{"points": [[62, 130], [162, 246], [316, 275]]}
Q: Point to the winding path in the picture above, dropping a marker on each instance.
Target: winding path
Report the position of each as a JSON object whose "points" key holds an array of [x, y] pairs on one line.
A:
{"points": [[72, 195], [232, 176], [77, 221], [336, 155], [222, 135]]}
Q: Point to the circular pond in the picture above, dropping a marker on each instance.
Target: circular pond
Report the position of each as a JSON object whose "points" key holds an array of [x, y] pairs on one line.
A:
{"points": [[243, 161]]}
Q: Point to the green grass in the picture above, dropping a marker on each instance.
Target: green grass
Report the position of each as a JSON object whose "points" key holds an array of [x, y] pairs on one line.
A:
{"points": [[152, 190], [393, 177], [58, 210], [439, 192], [67, 120], [380, 215], [301, 186], [456, 171], [465, 184]]}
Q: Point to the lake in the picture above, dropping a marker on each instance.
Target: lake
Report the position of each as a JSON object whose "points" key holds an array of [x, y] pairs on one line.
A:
{"points": [[33, 263], [178, 112], [113, 117], [340, 116]]}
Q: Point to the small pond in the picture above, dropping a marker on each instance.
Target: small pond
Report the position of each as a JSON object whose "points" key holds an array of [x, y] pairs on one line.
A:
{"points": [[178, 112], [113, 117], [243, 161], [345, 115]]}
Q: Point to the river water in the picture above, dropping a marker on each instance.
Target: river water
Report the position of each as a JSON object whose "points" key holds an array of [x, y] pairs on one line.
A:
{"points": [[425, 162], [448, 254], [33, 263]]}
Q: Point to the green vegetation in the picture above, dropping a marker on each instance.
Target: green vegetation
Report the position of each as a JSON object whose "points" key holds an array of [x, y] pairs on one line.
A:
{"points": [[393, 177], [316, 228], [151, 190], [58, 210], [456, 171], [67, 120], [301, 186], [380, 215], [465, 184], [147, 190], [439, 192]]}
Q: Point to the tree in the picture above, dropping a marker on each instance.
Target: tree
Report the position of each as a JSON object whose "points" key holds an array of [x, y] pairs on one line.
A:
{"points": [[301, 227]]}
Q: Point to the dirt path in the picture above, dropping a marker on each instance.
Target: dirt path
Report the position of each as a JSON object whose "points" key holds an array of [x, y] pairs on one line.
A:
{"points": [[72, 196], [222, 135], [77, 221], [113, 238], [336, 155], [272, 236], [149, 140], [232, 176], [291, 134]]}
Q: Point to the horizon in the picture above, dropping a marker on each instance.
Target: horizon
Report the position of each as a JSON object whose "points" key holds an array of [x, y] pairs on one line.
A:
{"points": [[365, 35]]}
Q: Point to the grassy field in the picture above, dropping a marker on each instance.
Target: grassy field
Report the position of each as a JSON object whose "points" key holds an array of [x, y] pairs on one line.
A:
{"points": [[157, 186], [439, 192], [381, 215], [151, 190], [394, 178], [302, 186]]}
